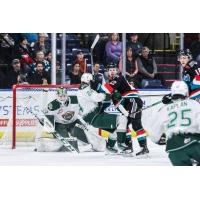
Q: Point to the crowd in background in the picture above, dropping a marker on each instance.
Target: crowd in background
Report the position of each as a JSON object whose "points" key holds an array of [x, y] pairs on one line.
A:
{"points": [[29, 60]]}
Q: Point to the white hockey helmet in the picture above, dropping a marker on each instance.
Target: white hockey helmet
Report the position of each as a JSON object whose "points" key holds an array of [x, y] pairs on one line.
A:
{"points": [[179, 87], [86, 78]]}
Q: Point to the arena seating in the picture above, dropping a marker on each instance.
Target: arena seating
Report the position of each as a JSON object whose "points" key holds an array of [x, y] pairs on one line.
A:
{"points": [[167, 66]]}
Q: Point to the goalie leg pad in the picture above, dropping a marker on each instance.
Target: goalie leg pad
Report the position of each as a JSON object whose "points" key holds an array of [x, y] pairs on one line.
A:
{"points": [[53, 145], [48, 145]]}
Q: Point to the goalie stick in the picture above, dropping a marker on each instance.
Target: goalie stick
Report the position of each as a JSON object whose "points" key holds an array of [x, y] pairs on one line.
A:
{"points": [[48, 124]]}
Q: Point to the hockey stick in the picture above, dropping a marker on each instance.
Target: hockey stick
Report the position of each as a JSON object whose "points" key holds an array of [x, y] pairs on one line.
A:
{"points": [[92, 47], [50, 126], [150, 106]]}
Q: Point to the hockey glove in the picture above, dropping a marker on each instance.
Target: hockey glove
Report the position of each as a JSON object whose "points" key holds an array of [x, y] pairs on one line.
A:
{"points": [[116, 97], [107, 97], [167, 99]]}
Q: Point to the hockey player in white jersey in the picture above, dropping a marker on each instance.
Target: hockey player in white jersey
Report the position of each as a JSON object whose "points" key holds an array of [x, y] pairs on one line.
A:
{"points": [[62, 112], [180, 120], [92, 112]]}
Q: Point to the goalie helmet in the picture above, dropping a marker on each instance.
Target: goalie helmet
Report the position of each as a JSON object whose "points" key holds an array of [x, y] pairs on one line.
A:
{"points": [[86, 78], [62, 94], [180, 88]]}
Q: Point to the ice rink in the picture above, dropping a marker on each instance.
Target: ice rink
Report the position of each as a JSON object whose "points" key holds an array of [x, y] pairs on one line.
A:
{"points": [[26, 156]]}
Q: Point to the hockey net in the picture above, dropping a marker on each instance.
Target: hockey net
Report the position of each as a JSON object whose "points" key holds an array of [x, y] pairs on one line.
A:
{"points": [[22, 127]]}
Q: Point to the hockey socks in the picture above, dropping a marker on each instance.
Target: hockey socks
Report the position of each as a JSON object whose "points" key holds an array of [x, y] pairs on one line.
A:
{"points": [[110, 145], [128, 142], [124, 142], [111, 142], [141, 137], [121, 137]]}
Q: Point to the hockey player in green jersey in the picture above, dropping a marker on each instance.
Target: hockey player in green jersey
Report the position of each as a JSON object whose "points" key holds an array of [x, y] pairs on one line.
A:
{"points": [[62, 112], [180, 121], [92, 112]]}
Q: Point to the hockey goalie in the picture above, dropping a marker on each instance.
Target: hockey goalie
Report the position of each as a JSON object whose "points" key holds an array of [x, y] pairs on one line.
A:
{"points": [[63, 114]]}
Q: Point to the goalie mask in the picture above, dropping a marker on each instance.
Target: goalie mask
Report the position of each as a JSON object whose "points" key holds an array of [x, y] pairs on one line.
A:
{"points": [[62, 95]]}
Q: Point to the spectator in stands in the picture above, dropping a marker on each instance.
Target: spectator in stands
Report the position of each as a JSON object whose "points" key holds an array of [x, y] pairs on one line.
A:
{"points": [[131, 68], [113, 49], [22, 79], [148, 68], [48, 57], [41, 44], [135, 44], [31, 37], [58, 74], [6, 47], [195, 49], [14, 72], [98, 77], [39, 76], [81, 61], [24, 52], [41, 58], [75, 74]]}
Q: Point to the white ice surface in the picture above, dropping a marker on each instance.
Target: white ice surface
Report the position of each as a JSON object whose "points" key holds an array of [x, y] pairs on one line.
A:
{"points": [[26, 156]]}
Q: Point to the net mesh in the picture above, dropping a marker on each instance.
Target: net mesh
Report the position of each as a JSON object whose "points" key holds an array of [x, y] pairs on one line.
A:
{"points": [[27, 101]]}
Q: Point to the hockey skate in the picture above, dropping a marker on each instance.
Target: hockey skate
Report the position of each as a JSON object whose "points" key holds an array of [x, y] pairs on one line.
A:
{"points": [[126, 149], [144, 151], [163, 139], [111, 148]]}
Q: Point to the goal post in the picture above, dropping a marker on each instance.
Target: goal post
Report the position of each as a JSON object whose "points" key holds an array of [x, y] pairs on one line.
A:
{"points": [[32, 95]]}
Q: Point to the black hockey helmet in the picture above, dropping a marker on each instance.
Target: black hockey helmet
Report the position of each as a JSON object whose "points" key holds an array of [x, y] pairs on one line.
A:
{"points": [[185, 52], [111, 65]]}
